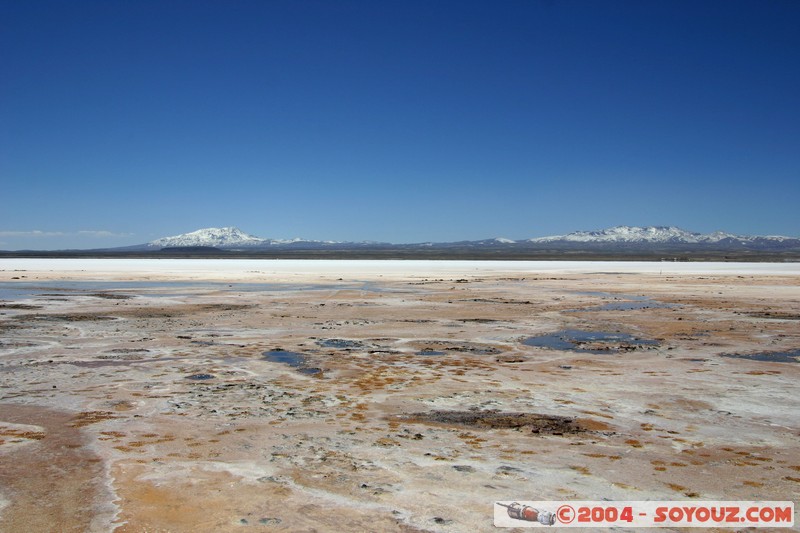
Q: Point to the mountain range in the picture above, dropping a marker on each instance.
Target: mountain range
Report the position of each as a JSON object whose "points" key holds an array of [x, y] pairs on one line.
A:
{"points": [[618, 238], [619, 242]]}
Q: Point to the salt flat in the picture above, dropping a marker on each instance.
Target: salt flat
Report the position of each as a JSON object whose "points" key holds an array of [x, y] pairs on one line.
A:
{"points": [[412, 402], [253, 269]]}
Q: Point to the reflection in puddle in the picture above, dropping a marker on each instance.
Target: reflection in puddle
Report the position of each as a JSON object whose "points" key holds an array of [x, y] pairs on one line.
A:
{"points": [[792, 356], [293, 359], [596, 342]]}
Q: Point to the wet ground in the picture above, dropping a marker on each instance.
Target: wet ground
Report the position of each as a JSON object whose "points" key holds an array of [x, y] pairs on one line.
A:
{"points": [[403, 402], [596, 342], [792, 356], [293, 359]]}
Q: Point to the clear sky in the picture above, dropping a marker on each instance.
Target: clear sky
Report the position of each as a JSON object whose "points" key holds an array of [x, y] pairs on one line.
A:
{"points": [[123, 121]]}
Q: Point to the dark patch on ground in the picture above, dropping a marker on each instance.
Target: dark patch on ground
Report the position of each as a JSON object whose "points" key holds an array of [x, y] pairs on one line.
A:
{"points": [[341, 344], [200, 377], [463, 347], [534, 422], [790, 356], [90, 417], [78, 317], [497, 301], [110, 296], [16, 344], [774, 315], [511, 359], [177, 311], [596, 342], [26, 307]]}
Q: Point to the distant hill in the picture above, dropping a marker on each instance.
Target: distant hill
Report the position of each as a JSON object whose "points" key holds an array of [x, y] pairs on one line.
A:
{"points": [[191, 250], [209, 237], [668, 235], [610, 239], [228, 238], [619, 242]]}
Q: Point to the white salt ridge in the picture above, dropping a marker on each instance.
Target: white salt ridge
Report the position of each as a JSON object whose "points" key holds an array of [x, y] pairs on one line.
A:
{"points": [[268, 270]]}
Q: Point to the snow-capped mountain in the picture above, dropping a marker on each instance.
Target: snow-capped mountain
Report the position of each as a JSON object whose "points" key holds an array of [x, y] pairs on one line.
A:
{"points": [[229, 238], [656, 235], [619, 239], [215, 237]]}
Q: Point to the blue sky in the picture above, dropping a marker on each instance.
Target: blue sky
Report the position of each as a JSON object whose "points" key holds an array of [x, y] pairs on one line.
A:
{"points": [[403, 121]]}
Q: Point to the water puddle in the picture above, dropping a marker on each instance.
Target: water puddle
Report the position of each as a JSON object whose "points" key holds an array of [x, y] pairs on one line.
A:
{"points": [[293, 359], [630, 306], [10, 290], [596, 342], [22, 290], [792, 356], [623, 302], [341, 344], [200, 377]]}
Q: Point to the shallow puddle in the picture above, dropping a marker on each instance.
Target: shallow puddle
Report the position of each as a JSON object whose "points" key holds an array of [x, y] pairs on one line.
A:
{"points": [[342, 344], [630, 306], [22, 290], [293, 359], [623, 302], [200, 377], [597, 342]]}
